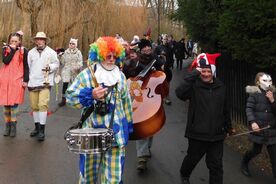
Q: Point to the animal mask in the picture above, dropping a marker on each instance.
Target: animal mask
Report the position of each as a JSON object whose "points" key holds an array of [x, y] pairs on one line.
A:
{"points": [[265, 82]]}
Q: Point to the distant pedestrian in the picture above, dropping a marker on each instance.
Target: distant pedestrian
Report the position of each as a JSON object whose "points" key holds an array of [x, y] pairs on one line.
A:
{"points": [[260, 112], [190, 46], [165, 50], [180, 51], [14, 76], [71, 65], [119, 38], [195, 50]]}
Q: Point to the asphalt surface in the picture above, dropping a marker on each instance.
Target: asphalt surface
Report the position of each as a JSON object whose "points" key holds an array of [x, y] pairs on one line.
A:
{"points": [[23, 160]]}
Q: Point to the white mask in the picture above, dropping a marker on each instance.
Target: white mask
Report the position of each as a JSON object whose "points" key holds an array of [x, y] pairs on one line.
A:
{"points": [[265, 82]]}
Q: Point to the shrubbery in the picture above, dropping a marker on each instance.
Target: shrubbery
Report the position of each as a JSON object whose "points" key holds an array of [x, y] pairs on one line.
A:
{"points": [[244, 28]]}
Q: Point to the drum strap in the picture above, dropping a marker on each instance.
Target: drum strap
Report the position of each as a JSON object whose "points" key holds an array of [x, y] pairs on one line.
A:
{"points": [[81, 121], [90, 109], [112, 115]]}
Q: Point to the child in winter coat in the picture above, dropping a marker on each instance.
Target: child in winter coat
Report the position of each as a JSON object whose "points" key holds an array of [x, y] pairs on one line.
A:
{"points": [[260, 112]]}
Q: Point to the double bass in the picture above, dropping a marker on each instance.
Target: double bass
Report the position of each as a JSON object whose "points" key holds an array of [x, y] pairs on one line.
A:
{"points": [[147, 90]]}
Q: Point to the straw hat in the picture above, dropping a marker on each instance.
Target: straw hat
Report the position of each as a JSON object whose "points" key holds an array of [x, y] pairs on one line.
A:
{"points": [[42, 35]]}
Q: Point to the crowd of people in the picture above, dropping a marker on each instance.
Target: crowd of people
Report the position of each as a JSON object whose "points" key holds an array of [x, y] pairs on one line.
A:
{"points": [[102, 89]]}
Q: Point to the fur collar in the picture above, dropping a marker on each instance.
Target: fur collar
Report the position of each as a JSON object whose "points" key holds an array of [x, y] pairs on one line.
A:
{"points": [[256, 89]]}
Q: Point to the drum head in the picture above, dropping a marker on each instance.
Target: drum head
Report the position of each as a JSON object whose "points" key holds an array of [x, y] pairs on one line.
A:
{"points": [[88, 130]]}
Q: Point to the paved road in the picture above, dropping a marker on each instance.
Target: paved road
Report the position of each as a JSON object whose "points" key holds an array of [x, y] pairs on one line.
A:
{"points": [[23, 160]]}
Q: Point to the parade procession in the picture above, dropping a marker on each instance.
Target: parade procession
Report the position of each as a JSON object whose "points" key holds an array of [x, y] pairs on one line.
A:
{"points": [[137, 92]]}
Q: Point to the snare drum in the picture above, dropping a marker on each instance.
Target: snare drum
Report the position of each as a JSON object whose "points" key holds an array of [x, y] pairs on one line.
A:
{"points": [[89, 140]]}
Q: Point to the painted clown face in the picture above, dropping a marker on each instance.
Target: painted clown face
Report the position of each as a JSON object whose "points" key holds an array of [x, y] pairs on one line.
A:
{"points": [[265, 82], [109, 62]]}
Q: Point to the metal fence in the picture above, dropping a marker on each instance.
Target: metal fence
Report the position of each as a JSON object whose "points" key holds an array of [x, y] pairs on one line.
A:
{"points": [[237, 75]]}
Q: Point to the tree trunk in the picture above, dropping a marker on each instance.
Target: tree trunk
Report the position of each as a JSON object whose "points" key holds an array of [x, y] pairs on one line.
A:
{"points": [[34, 27], [85, 39]]}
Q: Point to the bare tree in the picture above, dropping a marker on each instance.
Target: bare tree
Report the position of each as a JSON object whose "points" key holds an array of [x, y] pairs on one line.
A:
{"points": [[33, 7], [85, 20]]}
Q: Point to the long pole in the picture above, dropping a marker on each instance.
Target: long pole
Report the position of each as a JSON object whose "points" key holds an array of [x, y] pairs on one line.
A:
{"points": [[248, 132]]}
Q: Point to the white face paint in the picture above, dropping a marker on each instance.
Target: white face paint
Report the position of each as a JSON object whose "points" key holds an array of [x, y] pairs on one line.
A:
{"points": [[265, 82]]}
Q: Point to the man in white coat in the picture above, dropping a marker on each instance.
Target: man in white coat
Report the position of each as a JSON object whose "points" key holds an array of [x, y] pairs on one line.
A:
{"points": [[43, 62]]}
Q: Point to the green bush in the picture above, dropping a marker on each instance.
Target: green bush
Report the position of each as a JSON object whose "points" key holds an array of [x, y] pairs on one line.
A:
{"points": [[247, 30], [244, 28]]}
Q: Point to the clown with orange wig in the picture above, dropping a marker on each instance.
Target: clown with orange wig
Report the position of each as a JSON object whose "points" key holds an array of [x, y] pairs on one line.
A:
{"points": [[103, 82]]}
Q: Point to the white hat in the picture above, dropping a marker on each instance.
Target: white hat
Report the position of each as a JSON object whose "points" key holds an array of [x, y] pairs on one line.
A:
{"points": [[42, 35], [74, 41]]}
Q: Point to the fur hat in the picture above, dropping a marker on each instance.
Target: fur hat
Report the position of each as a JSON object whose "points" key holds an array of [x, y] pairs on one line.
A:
{"points": [[143, 43], [74, 41]]}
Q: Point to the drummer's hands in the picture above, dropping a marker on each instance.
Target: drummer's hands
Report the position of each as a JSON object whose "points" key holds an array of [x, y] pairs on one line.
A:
{"points": [[98, 93]]}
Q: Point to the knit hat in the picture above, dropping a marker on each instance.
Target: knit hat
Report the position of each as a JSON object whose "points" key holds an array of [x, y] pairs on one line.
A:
{"points": [[74, 41], [205, 60]]}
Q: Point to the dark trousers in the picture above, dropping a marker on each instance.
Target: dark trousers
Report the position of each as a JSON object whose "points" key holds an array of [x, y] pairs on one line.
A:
{"points": [[257, 149], [64, 87], [214, 153], [179, 63]]}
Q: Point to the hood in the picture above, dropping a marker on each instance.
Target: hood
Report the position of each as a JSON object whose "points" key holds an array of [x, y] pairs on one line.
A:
{"points": [[256, 89], [71, 51]]}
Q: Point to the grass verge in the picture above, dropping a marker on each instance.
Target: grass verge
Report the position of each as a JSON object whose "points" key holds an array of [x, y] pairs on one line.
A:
{"points": [[242, 144]]}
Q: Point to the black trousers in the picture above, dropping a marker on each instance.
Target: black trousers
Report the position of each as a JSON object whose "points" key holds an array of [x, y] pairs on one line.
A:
{"points": [[64, 87], [179, 63], [257, 149], [214, 153]]}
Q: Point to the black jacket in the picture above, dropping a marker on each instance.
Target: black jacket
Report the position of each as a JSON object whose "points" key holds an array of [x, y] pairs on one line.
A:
{"points": [[135, 67], [180, 50], [208, 114], [261, 111]]}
